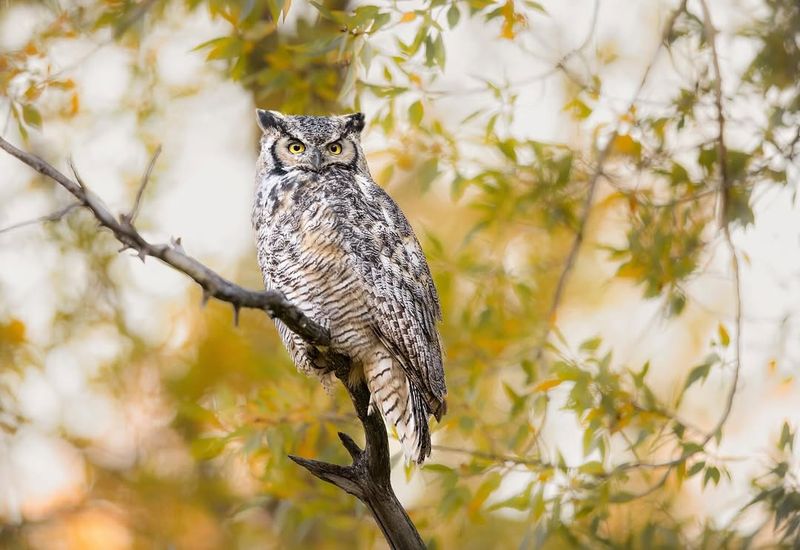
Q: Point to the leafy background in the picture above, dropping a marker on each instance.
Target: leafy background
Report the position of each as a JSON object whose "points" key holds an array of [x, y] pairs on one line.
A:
{"points": [[607, 197]]}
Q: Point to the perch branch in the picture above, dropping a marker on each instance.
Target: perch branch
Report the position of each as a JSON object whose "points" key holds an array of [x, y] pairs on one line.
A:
{"points": [[369, 476], [213, 285]]}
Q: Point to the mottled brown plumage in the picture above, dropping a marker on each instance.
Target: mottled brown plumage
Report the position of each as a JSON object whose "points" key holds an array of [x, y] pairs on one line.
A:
{"points": [[341, 250]]}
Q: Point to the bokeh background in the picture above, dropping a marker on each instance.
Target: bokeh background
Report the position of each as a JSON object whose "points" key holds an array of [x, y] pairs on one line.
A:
{"points": [[620, 285]]}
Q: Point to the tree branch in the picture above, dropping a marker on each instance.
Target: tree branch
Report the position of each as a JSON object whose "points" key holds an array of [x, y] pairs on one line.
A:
{"points": [[213, 285], [368, 478]]}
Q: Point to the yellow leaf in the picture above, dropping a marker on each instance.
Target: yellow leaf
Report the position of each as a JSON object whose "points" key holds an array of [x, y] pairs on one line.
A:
{"points": [[545, 385], [724, 337], [630, 270], [772, 366], [13, 332], [74, 105], [627, 146], [509, 17]]}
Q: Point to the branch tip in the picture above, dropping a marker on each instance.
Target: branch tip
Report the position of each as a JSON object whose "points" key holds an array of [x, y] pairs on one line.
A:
{"points": [[236, 308], [355, 451]]}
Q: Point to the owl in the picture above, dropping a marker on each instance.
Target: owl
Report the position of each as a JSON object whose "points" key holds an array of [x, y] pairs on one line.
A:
{"points": [[339, 248]]}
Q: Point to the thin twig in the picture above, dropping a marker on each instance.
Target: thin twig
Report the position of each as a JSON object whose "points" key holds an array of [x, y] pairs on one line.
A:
{"points": [[559, 65], [725, 190], [52, 217], [494, 457], [577, 243], [145, 179]]}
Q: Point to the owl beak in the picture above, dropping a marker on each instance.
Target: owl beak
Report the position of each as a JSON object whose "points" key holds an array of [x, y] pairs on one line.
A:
{"points": [[316, 159]]}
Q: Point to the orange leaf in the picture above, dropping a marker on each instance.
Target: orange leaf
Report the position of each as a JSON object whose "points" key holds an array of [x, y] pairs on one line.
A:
{"points": [[74, 105], [547, 384], [408, 17]]}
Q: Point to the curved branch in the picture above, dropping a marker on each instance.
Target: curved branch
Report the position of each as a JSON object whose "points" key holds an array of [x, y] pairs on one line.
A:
{"points": [[368, 478], [213, 285]]}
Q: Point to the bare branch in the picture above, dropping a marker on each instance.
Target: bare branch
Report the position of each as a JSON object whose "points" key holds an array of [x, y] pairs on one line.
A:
{"points": [[52, 217], [145, 179], [569, 263], [369, 476], [725, 190], [273, 302]]}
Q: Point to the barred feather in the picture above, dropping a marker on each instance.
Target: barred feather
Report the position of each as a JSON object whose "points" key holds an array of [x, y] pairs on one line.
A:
{"points": [[340, 248]]}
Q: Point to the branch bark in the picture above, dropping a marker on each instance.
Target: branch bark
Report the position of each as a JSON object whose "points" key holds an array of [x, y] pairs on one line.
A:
{"points": [[368, 478]]}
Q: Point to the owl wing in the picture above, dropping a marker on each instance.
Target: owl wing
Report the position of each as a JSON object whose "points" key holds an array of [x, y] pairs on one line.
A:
{"points": [[405, 301]]}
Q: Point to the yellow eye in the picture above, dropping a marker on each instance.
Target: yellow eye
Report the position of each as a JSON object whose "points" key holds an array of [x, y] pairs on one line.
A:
{"points": [[296, 147], [335, 148]]}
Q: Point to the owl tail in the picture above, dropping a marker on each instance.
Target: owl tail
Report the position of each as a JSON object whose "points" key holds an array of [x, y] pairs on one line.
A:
{"points": [[401, 405]]}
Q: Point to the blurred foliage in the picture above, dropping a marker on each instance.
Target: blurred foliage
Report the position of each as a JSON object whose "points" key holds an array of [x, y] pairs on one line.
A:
{"points": [[498, 248]]}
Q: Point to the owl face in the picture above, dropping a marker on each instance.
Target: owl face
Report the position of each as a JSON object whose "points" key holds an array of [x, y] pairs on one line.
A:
{"points": [[311, 143]]}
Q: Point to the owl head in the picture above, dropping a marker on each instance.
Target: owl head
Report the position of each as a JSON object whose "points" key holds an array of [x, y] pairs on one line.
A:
{"points": [[311, 143]]}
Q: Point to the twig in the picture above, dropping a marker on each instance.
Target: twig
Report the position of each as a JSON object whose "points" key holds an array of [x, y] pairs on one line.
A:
{"points": [[494, 457], [569, 263], [213, 285], [145, 179], [52, 217], [559, 65], [725, 189]]}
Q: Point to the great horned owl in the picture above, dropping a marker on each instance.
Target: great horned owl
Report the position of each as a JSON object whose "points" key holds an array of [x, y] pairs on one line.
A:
{"points": [[339, 248]]}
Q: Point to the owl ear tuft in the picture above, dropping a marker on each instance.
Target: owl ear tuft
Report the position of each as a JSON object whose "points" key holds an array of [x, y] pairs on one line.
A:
{"points": [[269, 120], [354, 123]]}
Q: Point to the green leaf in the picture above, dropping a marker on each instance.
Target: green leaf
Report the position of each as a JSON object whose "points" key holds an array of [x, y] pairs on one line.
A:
{"points": [[453, 15], [415, 113], [206, 448], [427, 172], [519, 501], [696, 467], [712, 474], [594, 468], [31, 116], [591, 345], [691, 448], [700, 372], [787, 437]]}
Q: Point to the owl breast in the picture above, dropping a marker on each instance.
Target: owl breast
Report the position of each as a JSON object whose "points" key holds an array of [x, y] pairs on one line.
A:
{"points": [[341, 250], [309, 248]]}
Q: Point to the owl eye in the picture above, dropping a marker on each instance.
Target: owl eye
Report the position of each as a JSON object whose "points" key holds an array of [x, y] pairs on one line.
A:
{"points": [[296, 147], [335, 148]]}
